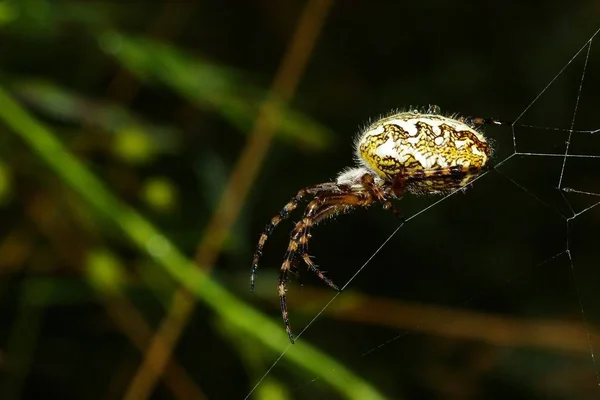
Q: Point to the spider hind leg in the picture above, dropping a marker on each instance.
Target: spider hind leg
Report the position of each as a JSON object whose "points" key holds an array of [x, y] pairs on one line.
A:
{"points": [[321, 207], [297, 247], [283, 214], [304, 238]]}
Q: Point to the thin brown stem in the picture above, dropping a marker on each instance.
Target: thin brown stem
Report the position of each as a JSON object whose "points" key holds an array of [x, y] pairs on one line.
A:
{"points": [[243, 176], [552, 334]]}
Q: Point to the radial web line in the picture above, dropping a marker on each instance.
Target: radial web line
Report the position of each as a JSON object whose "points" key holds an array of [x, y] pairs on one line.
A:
{"points": [[523, 188], [568, 222], [585, 64], [581, 307], [586, 209], [558, 155], [571, 190], [567, 202], [555, 129], [568, 219], [556, 77], [262, 378]]}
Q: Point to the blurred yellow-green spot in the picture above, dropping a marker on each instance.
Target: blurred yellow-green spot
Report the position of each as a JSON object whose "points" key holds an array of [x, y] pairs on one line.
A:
{"points": [[7, 12], [62, 103], [160, 194], [5, 183], [103, 268], [132, 145], [104, 271], [271, 390], [224, 90]]}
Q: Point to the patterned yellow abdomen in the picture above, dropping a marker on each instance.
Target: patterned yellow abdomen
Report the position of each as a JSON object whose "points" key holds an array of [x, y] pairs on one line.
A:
{"points": [[434, 153]]}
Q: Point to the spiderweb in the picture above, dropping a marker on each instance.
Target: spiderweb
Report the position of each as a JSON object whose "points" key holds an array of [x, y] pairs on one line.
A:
{"points": [[548, 176]]}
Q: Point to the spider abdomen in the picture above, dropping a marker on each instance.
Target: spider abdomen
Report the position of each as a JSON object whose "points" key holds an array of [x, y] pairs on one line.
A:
{"points": [[431, 152]]}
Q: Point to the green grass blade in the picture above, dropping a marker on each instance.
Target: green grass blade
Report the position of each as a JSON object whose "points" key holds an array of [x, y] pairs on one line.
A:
{"points": [[65, 105], [224, 90], [151, 242]]}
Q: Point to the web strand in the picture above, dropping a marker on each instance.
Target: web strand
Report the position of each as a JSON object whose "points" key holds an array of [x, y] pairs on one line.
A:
{"points": [[555, 129], [583, 313], [557, 155], [587, 58], [567, 218], [555, 77]]}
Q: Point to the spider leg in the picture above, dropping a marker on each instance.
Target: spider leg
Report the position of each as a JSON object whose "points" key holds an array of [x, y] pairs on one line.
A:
{"points": [[375, 190], [378, 192], [475, 121], [316, 210], [322, 213], [283, 214]]}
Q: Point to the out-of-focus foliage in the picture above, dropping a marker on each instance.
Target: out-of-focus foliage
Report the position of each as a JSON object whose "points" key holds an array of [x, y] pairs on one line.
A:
{"points": [[107, 117], [121, 123], [5, 182], [8, 13], [105, 271], [206, 84]]}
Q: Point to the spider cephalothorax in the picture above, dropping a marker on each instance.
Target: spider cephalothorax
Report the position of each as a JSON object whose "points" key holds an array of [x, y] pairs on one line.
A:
{"points": [[419, 152]]}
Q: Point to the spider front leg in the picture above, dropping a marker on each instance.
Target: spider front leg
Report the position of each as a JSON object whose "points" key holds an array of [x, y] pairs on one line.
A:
{"points": [[475, 121], [368, 181]]}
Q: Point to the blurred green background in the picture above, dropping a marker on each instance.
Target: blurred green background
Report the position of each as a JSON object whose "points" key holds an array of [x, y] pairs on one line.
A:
{"points": [[145, 144]]}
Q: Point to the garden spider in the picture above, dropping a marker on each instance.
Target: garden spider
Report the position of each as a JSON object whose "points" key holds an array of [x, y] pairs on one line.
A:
{"points": [[421, 152]]}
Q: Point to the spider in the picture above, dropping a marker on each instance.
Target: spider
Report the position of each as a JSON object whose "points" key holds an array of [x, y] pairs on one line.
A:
{"points": [[421, 152]]}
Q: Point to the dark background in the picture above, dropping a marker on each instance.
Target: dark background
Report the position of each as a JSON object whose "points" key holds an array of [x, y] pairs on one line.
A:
{"points": [[466, 301]]}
